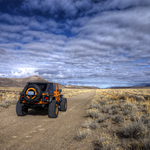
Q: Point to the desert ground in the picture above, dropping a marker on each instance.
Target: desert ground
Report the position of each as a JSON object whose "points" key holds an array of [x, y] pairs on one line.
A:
{"points": [[37, 131], [98, 119]]}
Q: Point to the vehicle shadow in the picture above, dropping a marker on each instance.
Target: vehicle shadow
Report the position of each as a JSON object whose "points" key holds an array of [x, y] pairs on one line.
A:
{"points": [[40, 112]]}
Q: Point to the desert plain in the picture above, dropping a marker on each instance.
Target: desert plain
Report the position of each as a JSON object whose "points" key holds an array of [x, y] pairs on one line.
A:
{"points": [[100, 119]]}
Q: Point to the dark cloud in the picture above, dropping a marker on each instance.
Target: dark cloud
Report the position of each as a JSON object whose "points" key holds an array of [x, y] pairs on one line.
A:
{"points": [[80, 7], [107, 48], [2, 52]]}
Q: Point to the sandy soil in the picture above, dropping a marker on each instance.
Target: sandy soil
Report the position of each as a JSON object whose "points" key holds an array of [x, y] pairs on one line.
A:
{"points": [[37, 131]]}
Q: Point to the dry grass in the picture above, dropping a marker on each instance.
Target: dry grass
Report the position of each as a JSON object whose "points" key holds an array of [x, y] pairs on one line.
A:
{"points": [[73, 92], [118, 119], [94, 113], [102, 118], [124, 115], [10, 95], [90, 124], [134, 130], [82, 134], [104, 142]]}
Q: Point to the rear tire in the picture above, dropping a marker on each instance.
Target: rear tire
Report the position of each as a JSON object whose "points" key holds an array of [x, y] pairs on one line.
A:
{"points": [[21, 110], [63, 104], [53, 109]]}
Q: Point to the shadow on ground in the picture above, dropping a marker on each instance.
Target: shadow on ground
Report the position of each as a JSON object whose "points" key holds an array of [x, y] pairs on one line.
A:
{"points": [[40, 112]]}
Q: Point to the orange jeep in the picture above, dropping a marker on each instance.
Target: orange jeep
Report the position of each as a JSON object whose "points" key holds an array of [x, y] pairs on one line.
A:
{"points": [[41, 95]]}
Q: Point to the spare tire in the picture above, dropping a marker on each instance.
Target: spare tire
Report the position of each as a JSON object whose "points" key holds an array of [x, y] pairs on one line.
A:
{"points": [[36, 90]]}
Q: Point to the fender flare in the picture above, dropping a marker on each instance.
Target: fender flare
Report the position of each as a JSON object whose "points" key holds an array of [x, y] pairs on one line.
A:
{"points": [[61, 97], [51, 98]]}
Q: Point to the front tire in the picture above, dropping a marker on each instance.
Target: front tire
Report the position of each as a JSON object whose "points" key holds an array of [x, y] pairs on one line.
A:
{"points": [[53, 109], [63, 104], [21, 110]]}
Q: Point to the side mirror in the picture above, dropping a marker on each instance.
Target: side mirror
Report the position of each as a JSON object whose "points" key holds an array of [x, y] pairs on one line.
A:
{"points": [[60, 90]]}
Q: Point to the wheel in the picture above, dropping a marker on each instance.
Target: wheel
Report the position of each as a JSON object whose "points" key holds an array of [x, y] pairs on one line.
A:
{"points": [[53, 109], [21, 110], [63, 104], [35, 89]]}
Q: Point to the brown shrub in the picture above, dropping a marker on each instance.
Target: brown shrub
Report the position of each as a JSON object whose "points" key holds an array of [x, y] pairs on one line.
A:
{"points": [[118, 119], [102, 118], [134, 129], [82, 134], [105, 109], [104, 143], [93, 125], [94, 113]]}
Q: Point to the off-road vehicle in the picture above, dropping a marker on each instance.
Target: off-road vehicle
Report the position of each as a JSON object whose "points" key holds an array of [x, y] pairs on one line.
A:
{"points": [[45, 95]]}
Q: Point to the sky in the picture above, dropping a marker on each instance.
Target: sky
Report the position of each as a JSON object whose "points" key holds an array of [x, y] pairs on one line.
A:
{"points": [[101, 43]]}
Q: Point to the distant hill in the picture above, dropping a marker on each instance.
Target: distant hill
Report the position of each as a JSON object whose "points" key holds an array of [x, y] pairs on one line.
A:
{"points": [[144, 85], [19, 82], [131, 87], [79, 87]]}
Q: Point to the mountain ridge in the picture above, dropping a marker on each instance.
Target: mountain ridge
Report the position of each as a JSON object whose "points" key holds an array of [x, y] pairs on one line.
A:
{"points": [[21, 82]]}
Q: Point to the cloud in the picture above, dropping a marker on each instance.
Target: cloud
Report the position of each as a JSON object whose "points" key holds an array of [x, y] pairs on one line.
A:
{"points": [[80, 7], [102, 49], [47, 76], [24, 72], [12, 28], [17, 20], [2, 52]]}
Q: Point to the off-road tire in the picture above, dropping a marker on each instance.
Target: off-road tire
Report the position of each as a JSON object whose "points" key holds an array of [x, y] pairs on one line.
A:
{"points": [[53, 109], [38, 90], [63, 104], [21, 110]]}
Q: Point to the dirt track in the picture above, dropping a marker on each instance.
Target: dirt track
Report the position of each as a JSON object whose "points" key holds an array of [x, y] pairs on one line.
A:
{"points": [[37, 131]]}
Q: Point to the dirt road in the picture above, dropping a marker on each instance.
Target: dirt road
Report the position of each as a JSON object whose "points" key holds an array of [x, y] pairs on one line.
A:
{"points": [[37, 131]]}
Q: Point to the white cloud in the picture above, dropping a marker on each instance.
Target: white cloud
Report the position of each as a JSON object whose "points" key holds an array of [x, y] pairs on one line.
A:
{"points": [[24, 72], [101, 50], [45, 75], [85, 7], [60, 75]]}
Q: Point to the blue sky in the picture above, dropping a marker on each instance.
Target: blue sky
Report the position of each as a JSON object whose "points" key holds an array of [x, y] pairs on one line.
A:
{"points": [[99, 43]]}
